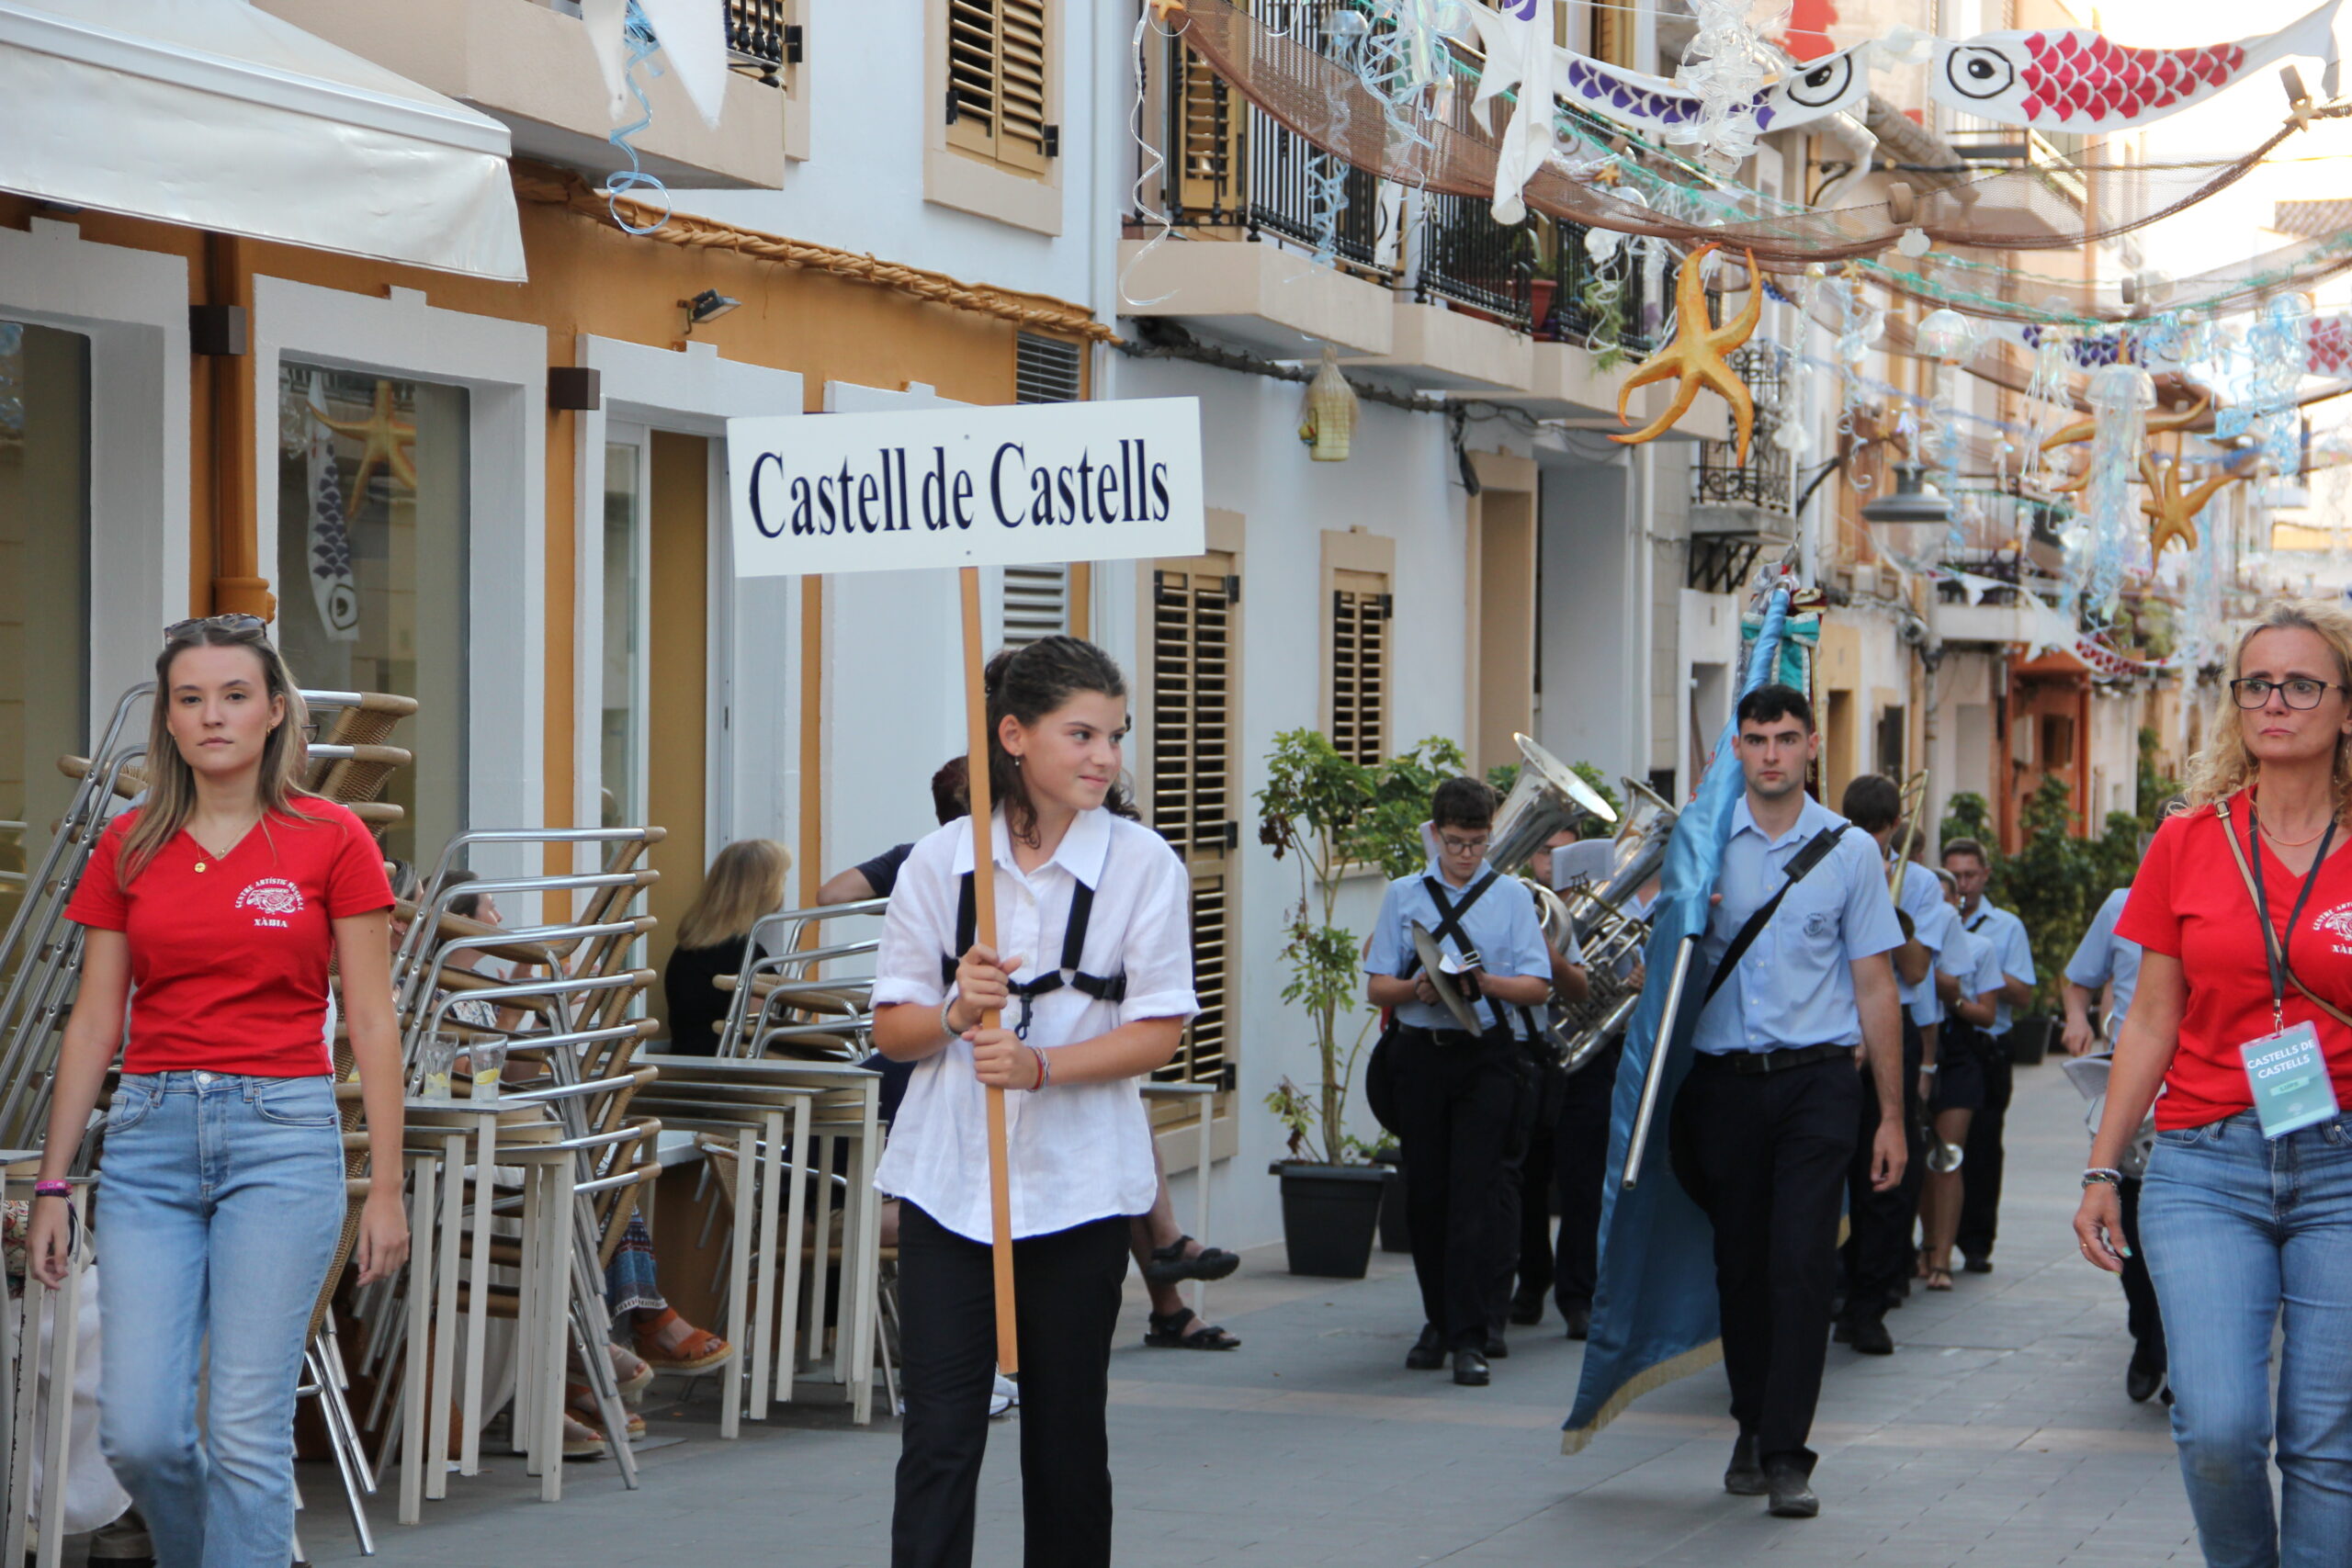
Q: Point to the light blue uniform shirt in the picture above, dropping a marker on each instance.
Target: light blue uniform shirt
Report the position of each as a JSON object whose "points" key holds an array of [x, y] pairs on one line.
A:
{"points": [[1923, 892], [1986, 971], [2005, 934], [2104, 956], [1793, 987], [1939, 933], [1501, 927]]}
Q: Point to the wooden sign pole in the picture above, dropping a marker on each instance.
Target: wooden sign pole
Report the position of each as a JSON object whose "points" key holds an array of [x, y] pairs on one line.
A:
{"points": [[975, 710]]}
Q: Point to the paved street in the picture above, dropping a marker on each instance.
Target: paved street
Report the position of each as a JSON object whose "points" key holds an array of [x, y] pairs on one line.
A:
{"points": [[1998, 1433]]}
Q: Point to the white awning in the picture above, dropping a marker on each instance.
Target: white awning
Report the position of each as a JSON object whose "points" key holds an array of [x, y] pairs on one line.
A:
{"points": [[216, 115]]}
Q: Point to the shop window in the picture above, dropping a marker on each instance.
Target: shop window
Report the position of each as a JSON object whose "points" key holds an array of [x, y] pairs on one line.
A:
{"points": [[997, 74], [372, 587], [44, 587]]}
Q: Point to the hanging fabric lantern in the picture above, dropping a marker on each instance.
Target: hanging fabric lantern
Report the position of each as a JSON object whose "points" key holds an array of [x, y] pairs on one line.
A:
{"points": [[1328, 420]]}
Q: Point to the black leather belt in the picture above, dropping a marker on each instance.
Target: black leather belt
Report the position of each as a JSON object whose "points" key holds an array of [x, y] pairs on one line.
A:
{"points": [[1756, 1063]]}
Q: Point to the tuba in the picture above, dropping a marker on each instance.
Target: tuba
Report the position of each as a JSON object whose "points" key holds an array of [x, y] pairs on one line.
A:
{"points": [[1546, 798], [1605, 929]]}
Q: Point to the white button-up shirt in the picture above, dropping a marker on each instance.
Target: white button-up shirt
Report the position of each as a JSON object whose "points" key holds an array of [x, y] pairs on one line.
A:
{"points": [[1077, 1152]]}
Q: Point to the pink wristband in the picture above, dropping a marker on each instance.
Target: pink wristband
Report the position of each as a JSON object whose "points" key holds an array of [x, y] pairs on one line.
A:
{"points": [[53, 1190]]}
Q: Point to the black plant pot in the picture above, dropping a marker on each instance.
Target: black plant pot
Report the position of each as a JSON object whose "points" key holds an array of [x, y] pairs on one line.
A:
{"points": [[1395, 1233], [1329, 1213], [2029, 1041]]}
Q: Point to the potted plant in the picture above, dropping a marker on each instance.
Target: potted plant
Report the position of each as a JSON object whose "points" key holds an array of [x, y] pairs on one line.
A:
{"points": [[1333, 816]]}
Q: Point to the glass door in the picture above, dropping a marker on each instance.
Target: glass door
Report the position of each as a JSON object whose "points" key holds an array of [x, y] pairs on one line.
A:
{"points": [[623, 628]]}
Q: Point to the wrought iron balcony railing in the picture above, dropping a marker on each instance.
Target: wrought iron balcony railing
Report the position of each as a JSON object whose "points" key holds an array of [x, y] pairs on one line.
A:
{"points": [[1467, 257], [759, 40], [1625, 312], [1767, 480]]}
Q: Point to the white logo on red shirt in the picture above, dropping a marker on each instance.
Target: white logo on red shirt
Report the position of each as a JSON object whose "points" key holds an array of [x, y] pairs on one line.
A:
{"points": [[272, 899], [2337, 924]]}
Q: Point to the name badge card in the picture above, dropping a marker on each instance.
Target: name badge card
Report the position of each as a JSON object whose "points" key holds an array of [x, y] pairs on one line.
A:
{"points": [[2288, 1074]]}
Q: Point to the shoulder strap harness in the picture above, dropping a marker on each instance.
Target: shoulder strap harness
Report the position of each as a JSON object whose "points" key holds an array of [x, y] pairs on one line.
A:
{"points": [[1102, 988]]}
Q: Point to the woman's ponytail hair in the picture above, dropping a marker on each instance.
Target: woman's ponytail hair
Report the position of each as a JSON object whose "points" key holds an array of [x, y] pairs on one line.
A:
{"points": [[1028, 683]]}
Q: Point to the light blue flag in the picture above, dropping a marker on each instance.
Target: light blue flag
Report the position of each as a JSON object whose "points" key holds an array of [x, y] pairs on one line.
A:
{"points": [[1654, 1312]]}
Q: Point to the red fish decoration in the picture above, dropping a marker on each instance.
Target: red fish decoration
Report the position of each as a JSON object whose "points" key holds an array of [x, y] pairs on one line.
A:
{"points": [[2074, 79]]}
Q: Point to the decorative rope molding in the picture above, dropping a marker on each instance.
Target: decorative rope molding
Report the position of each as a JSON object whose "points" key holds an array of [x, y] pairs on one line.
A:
{"points": [[1038, 310]]}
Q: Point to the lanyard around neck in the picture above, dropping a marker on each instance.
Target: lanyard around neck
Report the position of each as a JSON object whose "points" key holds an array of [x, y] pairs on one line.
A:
{"points": [[2273, 948]]}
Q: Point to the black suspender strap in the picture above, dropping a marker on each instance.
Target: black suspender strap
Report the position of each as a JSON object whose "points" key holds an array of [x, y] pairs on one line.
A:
{"points": [[1102, 988], [1817, 850], [1449, 924]]}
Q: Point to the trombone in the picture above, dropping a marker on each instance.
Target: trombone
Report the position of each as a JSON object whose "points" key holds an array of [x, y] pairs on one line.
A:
{"points": [[1913, 814]]}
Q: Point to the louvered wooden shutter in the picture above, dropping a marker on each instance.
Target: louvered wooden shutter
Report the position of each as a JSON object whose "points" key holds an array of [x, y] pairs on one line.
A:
{"points": [[1206, 125], [1036, 603], [996, 79], [1360, 665], [1194, 786]]}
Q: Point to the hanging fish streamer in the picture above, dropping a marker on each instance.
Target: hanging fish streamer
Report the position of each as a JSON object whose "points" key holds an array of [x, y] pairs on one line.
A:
{"points": [[2120, 397], [1725, 66]]}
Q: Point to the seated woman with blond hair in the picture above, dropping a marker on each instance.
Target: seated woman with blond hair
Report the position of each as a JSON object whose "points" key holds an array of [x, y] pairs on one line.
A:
{"points": [[745, 883]]}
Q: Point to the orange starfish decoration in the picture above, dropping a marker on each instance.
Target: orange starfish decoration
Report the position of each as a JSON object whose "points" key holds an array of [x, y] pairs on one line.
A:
{"points": [[1696, 354], [1162, 9], [2172, 511], [389, 441]]}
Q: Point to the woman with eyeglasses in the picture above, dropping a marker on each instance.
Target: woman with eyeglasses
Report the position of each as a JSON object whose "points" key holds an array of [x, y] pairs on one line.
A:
{"points": [[2241, 1024], [224, 898]]}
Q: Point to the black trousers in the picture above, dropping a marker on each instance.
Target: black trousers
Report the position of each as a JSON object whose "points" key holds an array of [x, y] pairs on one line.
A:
{"points": [[1066, 1293], [1766, 1157], [1878, 1232], [1580, 1169], [1980, 1170], [1457, 1098], [2147, 1325]]}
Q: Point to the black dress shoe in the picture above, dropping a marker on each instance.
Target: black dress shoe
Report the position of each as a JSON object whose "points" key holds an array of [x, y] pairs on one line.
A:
{"points": [[1744, 1477], [1976, 1266], [1791, 1491], [1470, 1368], [1497, 1347], [1580, 1320], [1526, 1309], [2142, 1378], [1869, 1337], [1427, 1353]]}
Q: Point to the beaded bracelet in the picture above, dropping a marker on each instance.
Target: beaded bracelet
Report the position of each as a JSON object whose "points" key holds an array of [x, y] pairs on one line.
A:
{"points": [[2100, 1173]]}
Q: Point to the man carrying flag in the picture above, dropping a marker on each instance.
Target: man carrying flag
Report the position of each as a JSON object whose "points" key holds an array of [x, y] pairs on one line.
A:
{"points": [[1765, 1124]]}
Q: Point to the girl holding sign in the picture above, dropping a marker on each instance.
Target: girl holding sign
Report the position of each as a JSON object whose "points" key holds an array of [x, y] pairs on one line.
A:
{"points": [[2241, 1019], [1092, 978]]}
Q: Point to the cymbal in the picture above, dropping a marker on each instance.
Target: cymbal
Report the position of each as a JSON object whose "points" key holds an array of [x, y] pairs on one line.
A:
{"points": [[1447, 991]]}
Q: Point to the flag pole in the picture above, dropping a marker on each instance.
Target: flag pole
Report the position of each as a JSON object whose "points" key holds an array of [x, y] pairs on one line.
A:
{"points": [[975, 711]]}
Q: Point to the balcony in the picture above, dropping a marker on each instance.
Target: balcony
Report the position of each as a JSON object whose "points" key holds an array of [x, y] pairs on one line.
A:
{"points": [[530, 65], [1759, 493]]}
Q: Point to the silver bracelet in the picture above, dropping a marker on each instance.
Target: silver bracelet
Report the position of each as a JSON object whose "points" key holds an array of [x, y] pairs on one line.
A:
{"points": [[947, 1027]]}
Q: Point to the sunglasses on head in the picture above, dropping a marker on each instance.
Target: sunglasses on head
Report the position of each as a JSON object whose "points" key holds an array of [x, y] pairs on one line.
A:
{"points": [[234, 625]]}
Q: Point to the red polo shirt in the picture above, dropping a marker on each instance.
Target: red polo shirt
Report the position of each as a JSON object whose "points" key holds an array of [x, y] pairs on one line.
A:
{"points": [[2189, 902], [228, 956]]}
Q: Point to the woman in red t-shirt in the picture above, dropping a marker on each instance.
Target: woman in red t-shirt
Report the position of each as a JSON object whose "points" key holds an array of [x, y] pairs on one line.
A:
{"points": [[223, 899], [2241, 1227]]}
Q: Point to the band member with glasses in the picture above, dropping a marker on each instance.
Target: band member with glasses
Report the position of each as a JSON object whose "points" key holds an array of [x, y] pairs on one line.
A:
{"points": [[2240, 1020], [1458, 1094], [1764, 1126], [223, 900]]}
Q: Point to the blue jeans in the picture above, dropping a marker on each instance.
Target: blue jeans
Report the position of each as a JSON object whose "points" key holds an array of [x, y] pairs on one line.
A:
{"points": [[220, 1199], [2238, 1228]]}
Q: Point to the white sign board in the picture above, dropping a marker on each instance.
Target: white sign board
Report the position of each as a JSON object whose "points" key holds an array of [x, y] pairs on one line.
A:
{"points": [[1006, 486]]}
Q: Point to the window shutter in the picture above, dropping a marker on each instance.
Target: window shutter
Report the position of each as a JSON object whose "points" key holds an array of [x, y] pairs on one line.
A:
{"points": [[1036, 603], [997, 63], [1193, 791], [1046, 370], [1360, 604]]}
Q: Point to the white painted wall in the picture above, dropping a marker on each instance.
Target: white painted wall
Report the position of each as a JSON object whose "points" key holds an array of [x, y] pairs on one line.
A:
{"points": [[1591, 633], [1400, 482]]}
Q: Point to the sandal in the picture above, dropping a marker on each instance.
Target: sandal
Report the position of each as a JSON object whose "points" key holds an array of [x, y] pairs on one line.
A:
{"points": [[632, 1373], [1939, 1279], [1169, 1332], [580, 1404], [698, 1351], [1168, 1265], [581, 1441]]}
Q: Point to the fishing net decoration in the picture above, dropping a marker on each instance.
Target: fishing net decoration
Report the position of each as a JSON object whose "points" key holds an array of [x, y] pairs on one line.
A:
{"points": [[1456, 154]]}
